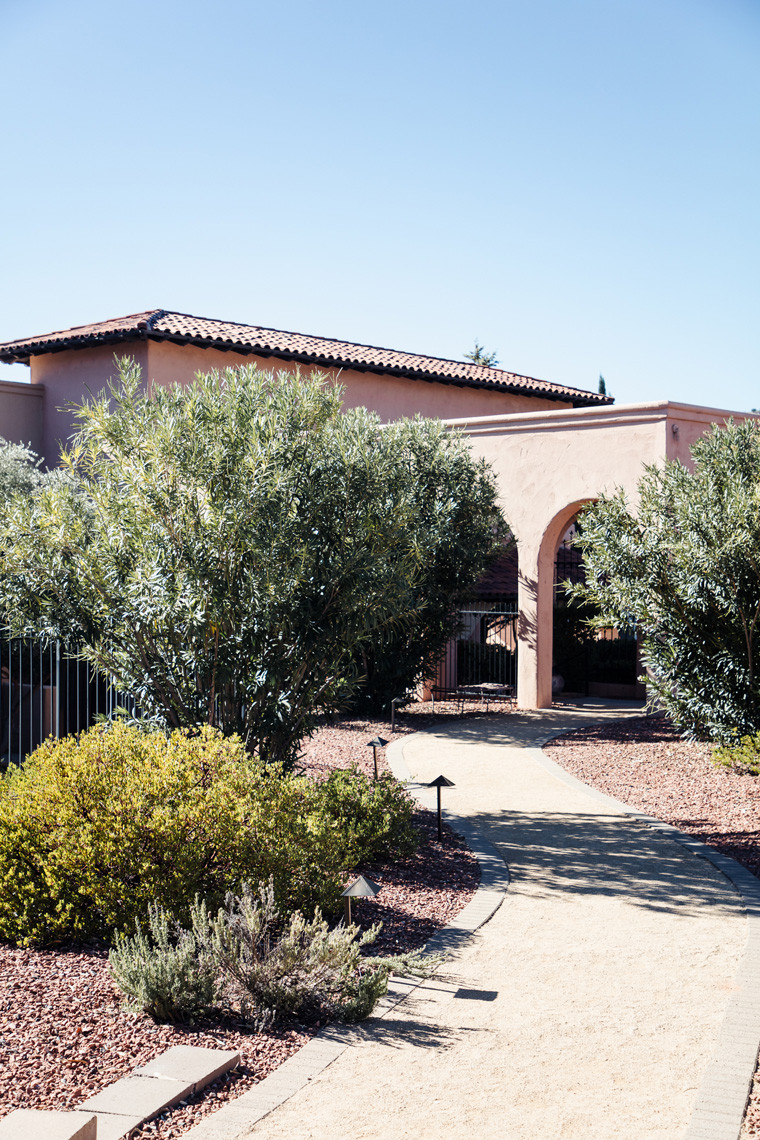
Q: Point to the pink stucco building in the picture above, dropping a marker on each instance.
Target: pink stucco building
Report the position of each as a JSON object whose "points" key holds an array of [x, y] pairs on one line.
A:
{"points": [[553, 447]]}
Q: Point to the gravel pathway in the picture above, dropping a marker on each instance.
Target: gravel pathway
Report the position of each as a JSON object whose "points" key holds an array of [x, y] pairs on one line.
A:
{"points": [[586, 1008], [644, 763]]}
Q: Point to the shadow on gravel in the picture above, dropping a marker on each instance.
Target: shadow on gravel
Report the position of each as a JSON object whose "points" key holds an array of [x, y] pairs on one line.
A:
{"points": [[583, 854], [397, 1032]]}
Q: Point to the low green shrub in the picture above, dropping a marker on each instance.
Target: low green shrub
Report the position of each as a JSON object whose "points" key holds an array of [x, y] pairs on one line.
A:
{"points": [[248, 959], [93, 831], [743, 755], [373, 817], [165, 971]]}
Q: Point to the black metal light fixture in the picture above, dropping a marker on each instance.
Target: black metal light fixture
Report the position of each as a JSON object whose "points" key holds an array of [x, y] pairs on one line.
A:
{"points": [[378, 742], [394, 702], [361, 888], [440, 782]]}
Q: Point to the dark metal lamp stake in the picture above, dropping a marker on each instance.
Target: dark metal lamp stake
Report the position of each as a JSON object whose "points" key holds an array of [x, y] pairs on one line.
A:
{"points": [[438, 783], [378, 742], [361, 888]]}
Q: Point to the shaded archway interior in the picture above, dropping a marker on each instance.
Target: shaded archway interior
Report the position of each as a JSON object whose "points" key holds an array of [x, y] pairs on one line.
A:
{"points": [[588, 661]]}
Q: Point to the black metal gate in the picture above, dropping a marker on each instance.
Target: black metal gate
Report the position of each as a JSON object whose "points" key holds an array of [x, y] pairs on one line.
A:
{"points": [[485, 651], [588, 662]]}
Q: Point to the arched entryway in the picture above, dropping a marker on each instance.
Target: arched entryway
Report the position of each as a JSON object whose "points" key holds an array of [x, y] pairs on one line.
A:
{"points": [[548, 465], [587, 661]]}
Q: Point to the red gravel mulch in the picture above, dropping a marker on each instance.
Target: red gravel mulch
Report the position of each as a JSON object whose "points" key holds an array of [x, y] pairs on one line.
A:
{"points": [[64, 1033], [644, 763]]}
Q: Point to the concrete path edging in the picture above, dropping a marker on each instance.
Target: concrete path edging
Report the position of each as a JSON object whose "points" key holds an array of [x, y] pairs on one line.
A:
{"points": [[237, 1117], [725, 1088]]}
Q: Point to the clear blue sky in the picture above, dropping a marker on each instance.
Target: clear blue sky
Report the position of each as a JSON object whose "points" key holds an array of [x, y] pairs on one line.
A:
{"points": [[573, 182]]}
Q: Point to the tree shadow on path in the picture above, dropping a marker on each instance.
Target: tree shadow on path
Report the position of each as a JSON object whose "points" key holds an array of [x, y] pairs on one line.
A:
{"points": [[615, 856], [397, 1033]]}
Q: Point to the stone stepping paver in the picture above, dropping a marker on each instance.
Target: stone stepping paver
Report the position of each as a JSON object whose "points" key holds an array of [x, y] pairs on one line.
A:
{"points": [[42, 1124], [112, 1126], [141, 1098], [190, 1063], [164, 1081], [127, 1103]]}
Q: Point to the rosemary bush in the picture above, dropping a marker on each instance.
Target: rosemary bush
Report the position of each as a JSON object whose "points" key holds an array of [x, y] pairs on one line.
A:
{"points": [[248, 959], [164, 970]]}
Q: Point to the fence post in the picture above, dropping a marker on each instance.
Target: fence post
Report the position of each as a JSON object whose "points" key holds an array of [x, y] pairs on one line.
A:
{"points": [[58, 690]]}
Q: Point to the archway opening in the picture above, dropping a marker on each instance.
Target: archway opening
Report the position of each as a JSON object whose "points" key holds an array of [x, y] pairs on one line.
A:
{"points": [[587, 661]]}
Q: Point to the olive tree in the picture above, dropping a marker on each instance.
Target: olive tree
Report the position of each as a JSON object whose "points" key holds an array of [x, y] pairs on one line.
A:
{"points": [[457, 534], [19, 470], [225, 550], [684, 567]]}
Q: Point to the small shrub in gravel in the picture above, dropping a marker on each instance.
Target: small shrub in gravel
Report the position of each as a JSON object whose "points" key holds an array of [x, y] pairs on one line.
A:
{"points": [[164, 971], [374, 817], [93, 831], [252, 961]]}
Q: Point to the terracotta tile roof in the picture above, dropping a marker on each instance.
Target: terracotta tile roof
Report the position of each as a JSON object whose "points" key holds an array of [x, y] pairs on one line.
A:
{"points": [[181, 328]]}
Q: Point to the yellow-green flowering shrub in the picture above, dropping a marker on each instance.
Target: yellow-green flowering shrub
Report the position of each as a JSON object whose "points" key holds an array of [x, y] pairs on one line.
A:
{"points": [[93, 831], [743, 755]]}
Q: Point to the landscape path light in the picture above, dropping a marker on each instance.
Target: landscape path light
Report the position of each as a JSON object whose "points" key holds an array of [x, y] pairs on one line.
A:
{"points": [[440, 782], [378, 742], [361, 888]]}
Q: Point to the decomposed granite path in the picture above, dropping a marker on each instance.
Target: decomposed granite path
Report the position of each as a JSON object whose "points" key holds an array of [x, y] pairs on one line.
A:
{"points": [[587, 1007]]}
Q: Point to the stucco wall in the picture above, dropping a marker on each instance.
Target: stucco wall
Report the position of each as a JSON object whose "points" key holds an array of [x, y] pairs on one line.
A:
{"points": [[687, 422], [71, 377], [544, 462], [21, 407], [68, 376], [390, 396]]}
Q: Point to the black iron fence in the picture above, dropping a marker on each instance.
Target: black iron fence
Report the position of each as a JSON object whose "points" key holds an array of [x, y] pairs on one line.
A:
{"points": [[48, 690], [485, 652]]}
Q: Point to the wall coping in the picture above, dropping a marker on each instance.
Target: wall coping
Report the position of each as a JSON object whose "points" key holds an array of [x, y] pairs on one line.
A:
{"points": [[22, 387], [622, 414]]}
